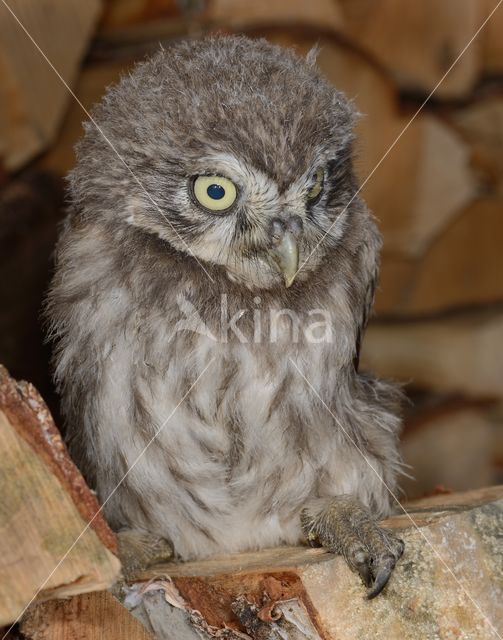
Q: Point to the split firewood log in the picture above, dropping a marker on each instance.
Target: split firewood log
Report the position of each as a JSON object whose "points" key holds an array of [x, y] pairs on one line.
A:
{"points": [[460, 269], [451, 444], [480, 123], [53, 540], [238, 14], [460, 353], [32, 97], [492, 39], [90, 616], [419, 41]]}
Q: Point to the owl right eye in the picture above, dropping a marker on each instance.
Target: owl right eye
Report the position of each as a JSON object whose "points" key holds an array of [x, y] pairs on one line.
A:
{"points": [[317, 186], [214, 193]]}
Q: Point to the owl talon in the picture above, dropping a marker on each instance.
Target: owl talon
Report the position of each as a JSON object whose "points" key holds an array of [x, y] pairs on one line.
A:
{"points": [[344, 526], [363, 567], [139, 549], [382, 575]]}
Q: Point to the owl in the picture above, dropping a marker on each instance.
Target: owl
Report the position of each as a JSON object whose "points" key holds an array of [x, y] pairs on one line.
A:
{"points": [[213, 280]]}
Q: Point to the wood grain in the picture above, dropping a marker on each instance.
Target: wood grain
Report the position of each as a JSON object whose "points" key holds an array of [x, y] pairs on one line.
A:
{"points": [[94, 616], [47, 548]]}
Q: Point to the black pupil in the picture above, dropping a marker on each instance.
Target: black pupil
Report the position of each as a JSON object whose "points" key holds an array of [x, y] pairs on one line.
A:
{"points": [[215, 191]]}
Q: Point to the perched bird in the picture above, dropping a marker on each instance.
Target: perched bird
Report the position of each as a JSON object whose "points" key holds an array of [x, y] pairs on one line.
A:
{"points": [[213, 280]]}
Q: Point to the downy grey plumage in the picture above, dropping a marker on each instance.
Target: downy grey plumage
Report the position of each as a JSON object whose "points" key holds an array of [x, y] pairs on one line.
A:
{"points": [[250, 444]]}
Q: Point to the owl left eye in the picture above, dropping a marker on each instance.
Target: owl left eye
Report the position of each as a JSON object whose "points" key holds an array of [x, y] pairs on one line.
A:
{"points": [[215, 193], [316, 185]]}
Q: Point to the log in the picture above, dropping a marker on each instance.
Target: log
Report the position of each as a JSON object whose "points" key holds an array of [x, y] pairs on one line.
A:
{"points": [[89, 88], [32, 98], [498, 443], [135, 27], [481, 125], [120, 13], [438, 589], [396, 279], [90, 616], [441, 443], [300, 593], [462, 353], [241, 14], [442, 184], [418, 41], [492, 39], [46, 550], [459, 270]]}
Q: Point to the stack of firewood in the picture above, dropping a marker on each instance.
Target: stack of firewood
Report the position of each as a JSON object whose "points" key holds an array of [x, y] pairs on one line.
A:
{"points": [[432, 174]]}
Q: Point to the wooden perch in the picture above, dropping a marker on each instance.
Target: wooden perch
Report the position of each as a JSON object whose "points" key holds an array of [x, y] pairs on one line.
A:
{"points": [[298, 593], [45, 507]]}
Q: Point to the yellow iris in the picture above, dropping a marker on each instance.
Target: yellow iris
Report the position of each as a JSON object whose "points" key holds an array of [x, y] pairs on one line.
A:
{"points": [[317, 185], [214, 192]]}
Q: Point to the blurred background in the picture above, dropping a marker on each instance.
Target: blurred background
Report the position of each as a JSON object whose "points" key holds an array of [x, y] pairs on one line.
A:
{"points": [[438, 192]]}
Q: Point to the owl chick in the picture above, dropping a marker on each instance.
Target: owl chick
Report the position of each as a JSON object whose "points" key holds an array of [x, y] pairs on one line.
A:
{"points": [[217, 192]]}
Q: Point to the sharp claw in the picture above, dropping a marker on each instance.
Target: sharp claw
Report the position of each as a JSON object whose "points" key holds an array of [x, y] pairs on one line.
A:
{"points": [[346, 527], [313, 541], [382, 576], [365, 573], [360, 560]]}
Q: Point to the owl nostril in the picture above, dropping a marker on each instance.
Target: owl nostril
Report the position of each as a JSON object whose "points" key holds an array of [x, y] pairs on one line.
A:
{"points": [[293, 224], [278, 228]]}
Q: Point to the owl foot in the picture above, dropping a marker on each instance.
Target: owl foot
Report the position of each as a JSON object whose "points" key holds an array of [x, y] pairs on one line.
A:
{"points": [[344, 526], [139, 549]]}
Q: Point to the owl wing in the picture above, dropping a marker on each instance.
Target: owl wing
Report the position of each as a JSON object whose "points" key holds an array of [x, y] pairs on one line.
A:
{"points": [[366, 311]]}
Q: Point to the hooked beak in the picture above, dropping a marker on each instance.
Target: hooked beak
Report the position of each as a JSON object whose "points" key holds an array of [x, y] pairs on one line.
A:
{"points": [[285, 256]]}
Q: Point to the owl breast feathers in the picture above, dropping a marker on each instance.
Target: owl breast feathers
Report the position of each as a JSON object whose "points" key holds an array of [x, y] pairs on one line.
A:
{"points": [[213, 280]]}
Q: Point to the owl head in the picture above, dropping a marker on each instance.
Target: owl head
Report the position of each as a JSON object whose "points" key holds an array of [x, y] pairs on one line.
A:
{"points": [[232, 151]]}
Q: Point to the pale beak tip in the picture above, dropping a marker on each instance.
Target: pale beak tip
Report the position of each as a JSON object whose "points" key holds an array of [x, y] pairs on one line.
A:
{"points": [[285, 257]]}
